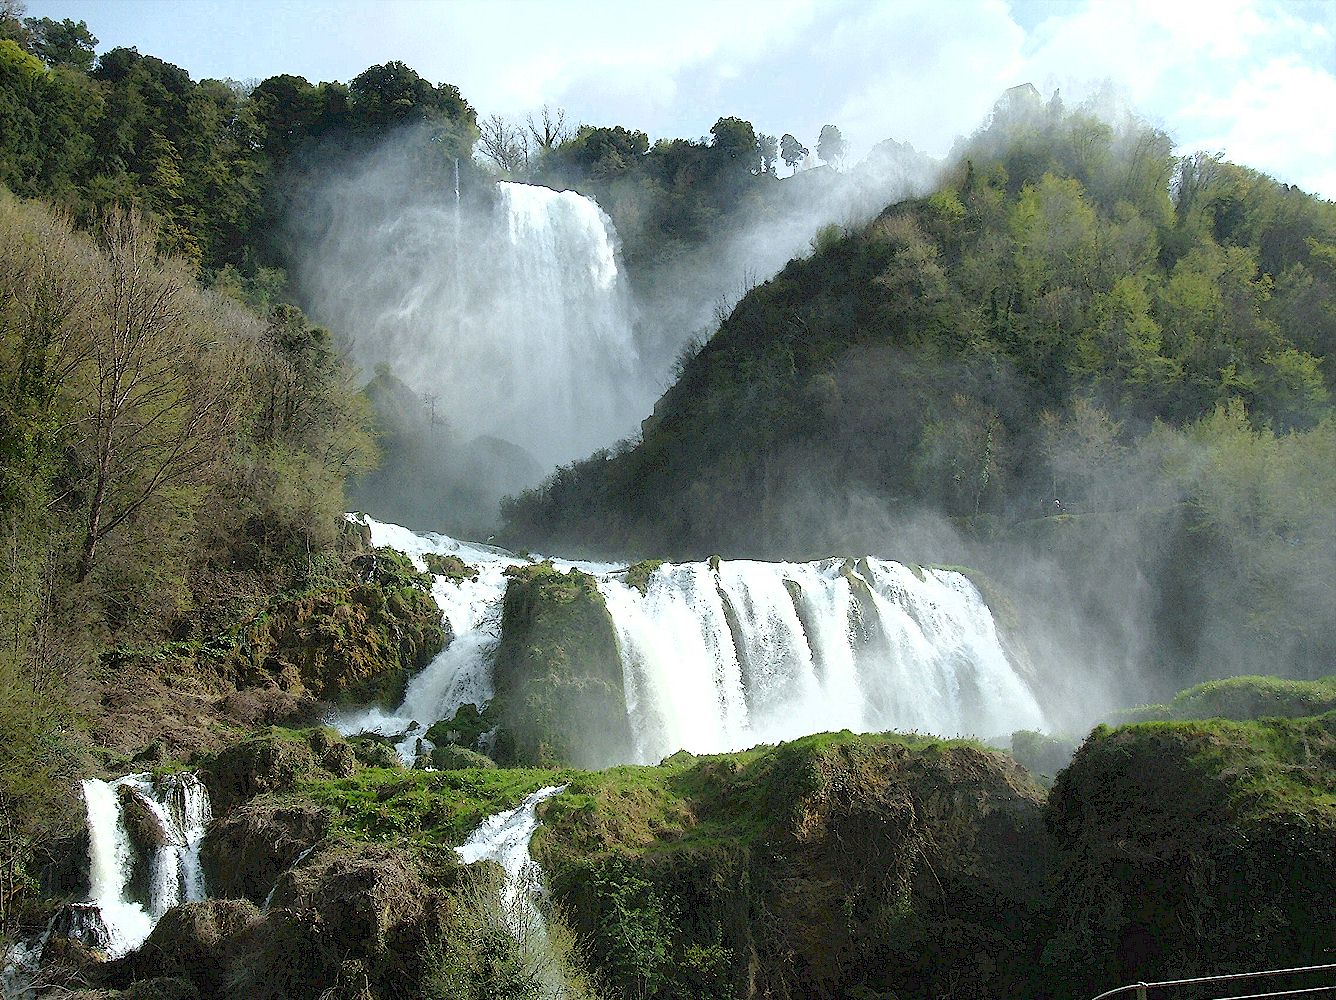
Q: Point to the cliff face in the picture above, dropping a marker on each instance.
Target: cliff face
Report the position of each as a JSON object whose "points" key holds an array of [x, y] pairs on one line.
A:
{"points": [[352, 643], [559, 687], [1191, 847], [820, 868]]}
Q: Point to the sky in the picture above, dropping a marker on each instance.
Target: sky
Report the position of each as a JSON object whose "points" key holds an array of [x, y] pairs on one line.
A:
{"points": [[1255, 79]]}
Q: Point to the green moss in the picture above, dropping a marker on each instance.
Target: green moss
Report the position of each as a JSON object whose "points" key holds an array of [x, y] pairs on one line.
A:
{"points": [[638, 575], [452, 758], [559, 686], [423, 808], [1195, 846], [354, 643], [451, 567], [1241, 698]]}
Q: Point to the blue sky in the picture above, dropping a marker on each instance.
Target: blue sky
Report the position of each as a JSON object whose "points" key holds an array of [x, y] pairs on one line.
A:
{"points": [[1254, 78]]}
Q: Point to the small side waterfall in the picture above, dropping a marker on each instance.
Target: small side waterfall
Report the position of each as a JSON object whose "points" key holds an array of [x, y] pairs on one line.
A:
{"points": [[504, 838], [144, 841]]}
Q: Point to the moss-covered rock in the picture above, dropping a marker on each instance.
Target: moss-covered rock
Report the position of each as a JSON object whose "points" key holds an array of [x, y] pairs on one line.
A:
{"points": [[246, 850], [638, 575], [559, 685], [1189, 848], [269, 761], [453, 758], [372, 750], [194, 942], [358, 642], [366, 917], [449, 566], [466, 728], [895, 865], [1243, 698]]}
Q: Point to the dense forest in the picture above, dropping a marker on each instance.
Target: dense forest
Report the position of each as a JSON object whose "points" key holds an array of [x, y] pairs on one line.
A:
{"points": [[1096, 372]]}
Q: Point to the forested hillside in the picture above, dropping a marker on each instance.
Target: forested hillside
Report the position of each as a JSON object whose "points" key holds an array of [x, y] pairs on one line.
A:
{"points": [[990, 348]]}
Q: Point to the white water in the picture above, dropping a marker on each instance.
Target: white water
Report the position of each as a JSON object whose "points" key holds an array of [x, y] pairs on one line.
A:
{"points": [[462, 673], [504, 838], [181, 807], [810, 647], [522, 329], [722, 657]]}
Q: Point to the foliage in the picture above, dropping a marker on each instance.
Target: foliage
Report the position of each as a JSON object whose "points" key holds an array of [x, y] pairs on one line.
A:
{"points": [[1193, 848], [1243, 699], [441, 807]]}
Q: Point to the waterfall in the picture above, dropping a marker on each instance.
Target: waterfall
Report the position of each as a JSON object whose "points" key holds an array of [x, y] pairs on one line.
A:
{"points": [[168, 817], [727, 654], [724, 657], [504, 838], [517, 316]]}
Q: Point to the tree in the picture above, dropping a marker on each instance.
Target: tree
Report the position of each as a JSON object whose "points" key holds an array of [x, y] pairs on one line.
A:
{"points": [[62, 43], [830, 146], [735, 140], [155, 399], [768, 148], [504, 144], [792, 152], [550, 130]]}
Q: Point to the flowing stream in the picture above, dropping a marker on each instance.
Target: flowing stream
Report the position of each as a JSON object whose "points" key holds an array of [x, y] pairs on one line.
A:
{"points": [[144, 840], [724, 655], [504, 838]]}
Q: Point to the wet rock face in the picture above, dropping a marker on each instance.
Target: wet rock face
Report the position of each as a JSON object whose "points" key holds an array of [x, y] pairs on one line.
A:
{"points": [[245, 852], [375, 906], [269, 762], [906, 870], [142, 821], [196, 943], [560, 693]]}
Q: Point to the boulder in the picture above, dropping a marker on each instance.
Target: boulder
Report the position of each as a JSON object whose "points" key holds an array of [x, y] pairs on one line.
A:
{"points": [[246, 851]]}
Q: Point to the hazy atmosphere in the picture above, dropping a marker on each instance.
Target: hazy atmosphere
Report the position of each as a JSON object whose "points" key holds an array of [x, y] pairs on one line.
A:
{"points": [[589, 501]]}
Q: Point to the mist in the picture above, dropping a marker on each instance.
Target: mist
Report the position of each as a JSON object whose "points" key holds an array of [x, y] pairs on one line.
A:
{"points": [[507, 310]]}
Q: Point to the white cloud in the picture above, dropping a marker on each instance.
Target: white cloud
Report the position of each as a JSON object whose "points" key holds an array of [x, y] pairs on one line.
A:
{"points": [[1278, 119]]}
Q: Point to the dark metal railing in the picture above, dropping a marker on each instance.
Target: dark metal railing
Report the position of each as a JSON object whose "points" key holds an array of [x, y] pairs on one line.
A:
{"points": [[1142, 990]]}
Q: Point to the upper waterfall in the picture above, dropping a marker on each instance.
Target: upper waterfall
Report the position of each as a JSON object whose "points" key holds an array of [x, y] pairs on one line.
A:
{"points": [[512, 314]]}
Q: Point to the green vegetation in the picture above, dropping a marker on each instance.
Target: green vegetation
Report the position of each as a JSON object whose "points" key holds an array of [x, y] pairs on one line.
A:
{"points": [[1194, 847], [451, 567], [832, 837], [423, 807], [558, 675], [1244, 698], [638, 575]]}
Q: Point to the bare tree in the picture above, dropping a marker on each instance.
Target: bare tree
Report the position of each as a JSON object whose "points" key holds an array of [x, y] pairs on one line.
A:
{"points": [[550, 130], [504, 144], [157, 397]]}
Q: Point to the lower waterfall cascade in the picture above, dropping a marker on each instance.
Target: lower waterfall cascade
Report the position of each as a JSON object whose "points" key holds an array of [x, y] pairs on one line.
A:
{"points": [[177, 810], [722, 655], [130, 884]]}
